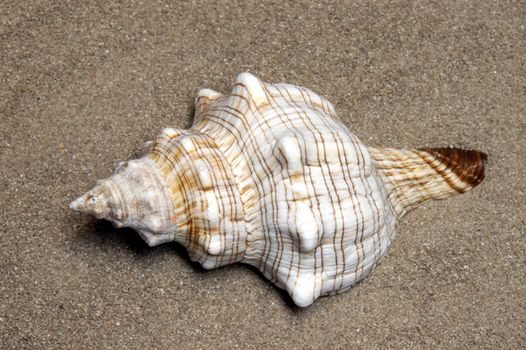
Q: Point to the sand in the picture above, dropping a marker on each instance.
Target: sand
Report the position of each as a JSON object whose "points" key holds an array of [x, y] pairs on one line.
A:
{"points": [[84, 84]]}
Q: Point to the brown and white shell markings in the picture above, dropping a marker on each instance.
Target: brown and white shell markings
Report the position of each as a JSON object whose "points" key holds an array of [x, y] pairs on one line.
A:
{"points": [[267, 175]]}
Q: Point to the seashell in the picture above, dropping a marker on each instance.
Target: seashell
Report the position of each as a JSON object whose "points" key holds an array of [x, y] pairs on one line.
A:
{"points": [[267, 175]]}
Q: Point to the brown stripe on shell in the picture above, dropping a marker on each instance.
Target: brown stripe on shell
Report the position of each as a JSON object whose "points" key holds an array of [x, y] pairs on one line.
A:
{"points": [[467, 165]]}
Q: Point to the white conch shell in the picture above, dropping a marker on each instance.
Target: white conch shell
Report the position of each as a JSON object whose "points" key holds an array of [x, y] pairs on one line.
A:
{"points": [[267, 175]]}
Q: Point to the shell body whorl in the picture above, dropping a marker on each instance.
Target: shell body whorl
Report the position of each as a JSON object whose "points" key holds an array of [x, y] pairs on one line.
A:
{"points": [[267, 175]]}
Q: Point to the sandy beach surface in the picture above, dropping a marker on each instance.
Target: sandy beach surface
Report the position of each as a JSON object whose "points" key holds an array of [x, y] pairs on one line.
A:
{"points": [[84, 84]]}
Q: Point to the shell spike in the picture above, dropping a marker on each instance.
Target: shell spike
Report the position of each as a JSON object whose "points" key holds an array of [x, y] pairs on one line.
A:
{"points": [[255, 88], [203, 100]]}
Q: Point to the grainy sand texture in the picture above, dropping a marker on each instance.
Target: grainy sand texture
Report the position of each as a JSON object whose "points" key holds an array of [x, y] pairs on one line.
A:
{"points": [[84, 83]]}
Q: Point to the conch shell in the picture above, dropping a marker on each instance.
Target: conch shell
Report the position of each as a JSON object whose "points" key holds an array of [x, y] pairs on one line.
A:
{"points": [[267, 175]]}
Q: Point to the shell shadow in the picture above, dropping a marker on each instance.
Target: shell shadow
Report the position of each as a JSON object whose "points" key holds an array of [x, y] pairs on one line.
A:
{"points": [[285, 297], [104, 232], [101, 233]]}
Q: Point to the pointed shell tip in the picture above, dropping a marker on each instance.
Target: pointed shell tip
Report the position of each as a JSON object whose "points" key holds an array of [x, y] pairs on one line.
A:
{"points": [[75, 204]]}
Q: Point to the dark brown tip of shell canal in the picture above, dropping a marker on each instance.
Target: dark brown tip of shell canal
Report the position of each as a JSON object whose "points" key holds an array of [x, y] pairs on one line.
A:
{"points": [[467, 165]]}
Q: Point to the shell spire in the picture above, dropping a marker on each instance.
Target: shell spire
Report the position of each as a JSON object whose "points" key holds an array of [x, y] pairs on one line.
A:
{"points": [[134, 196], [268, 176]]}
